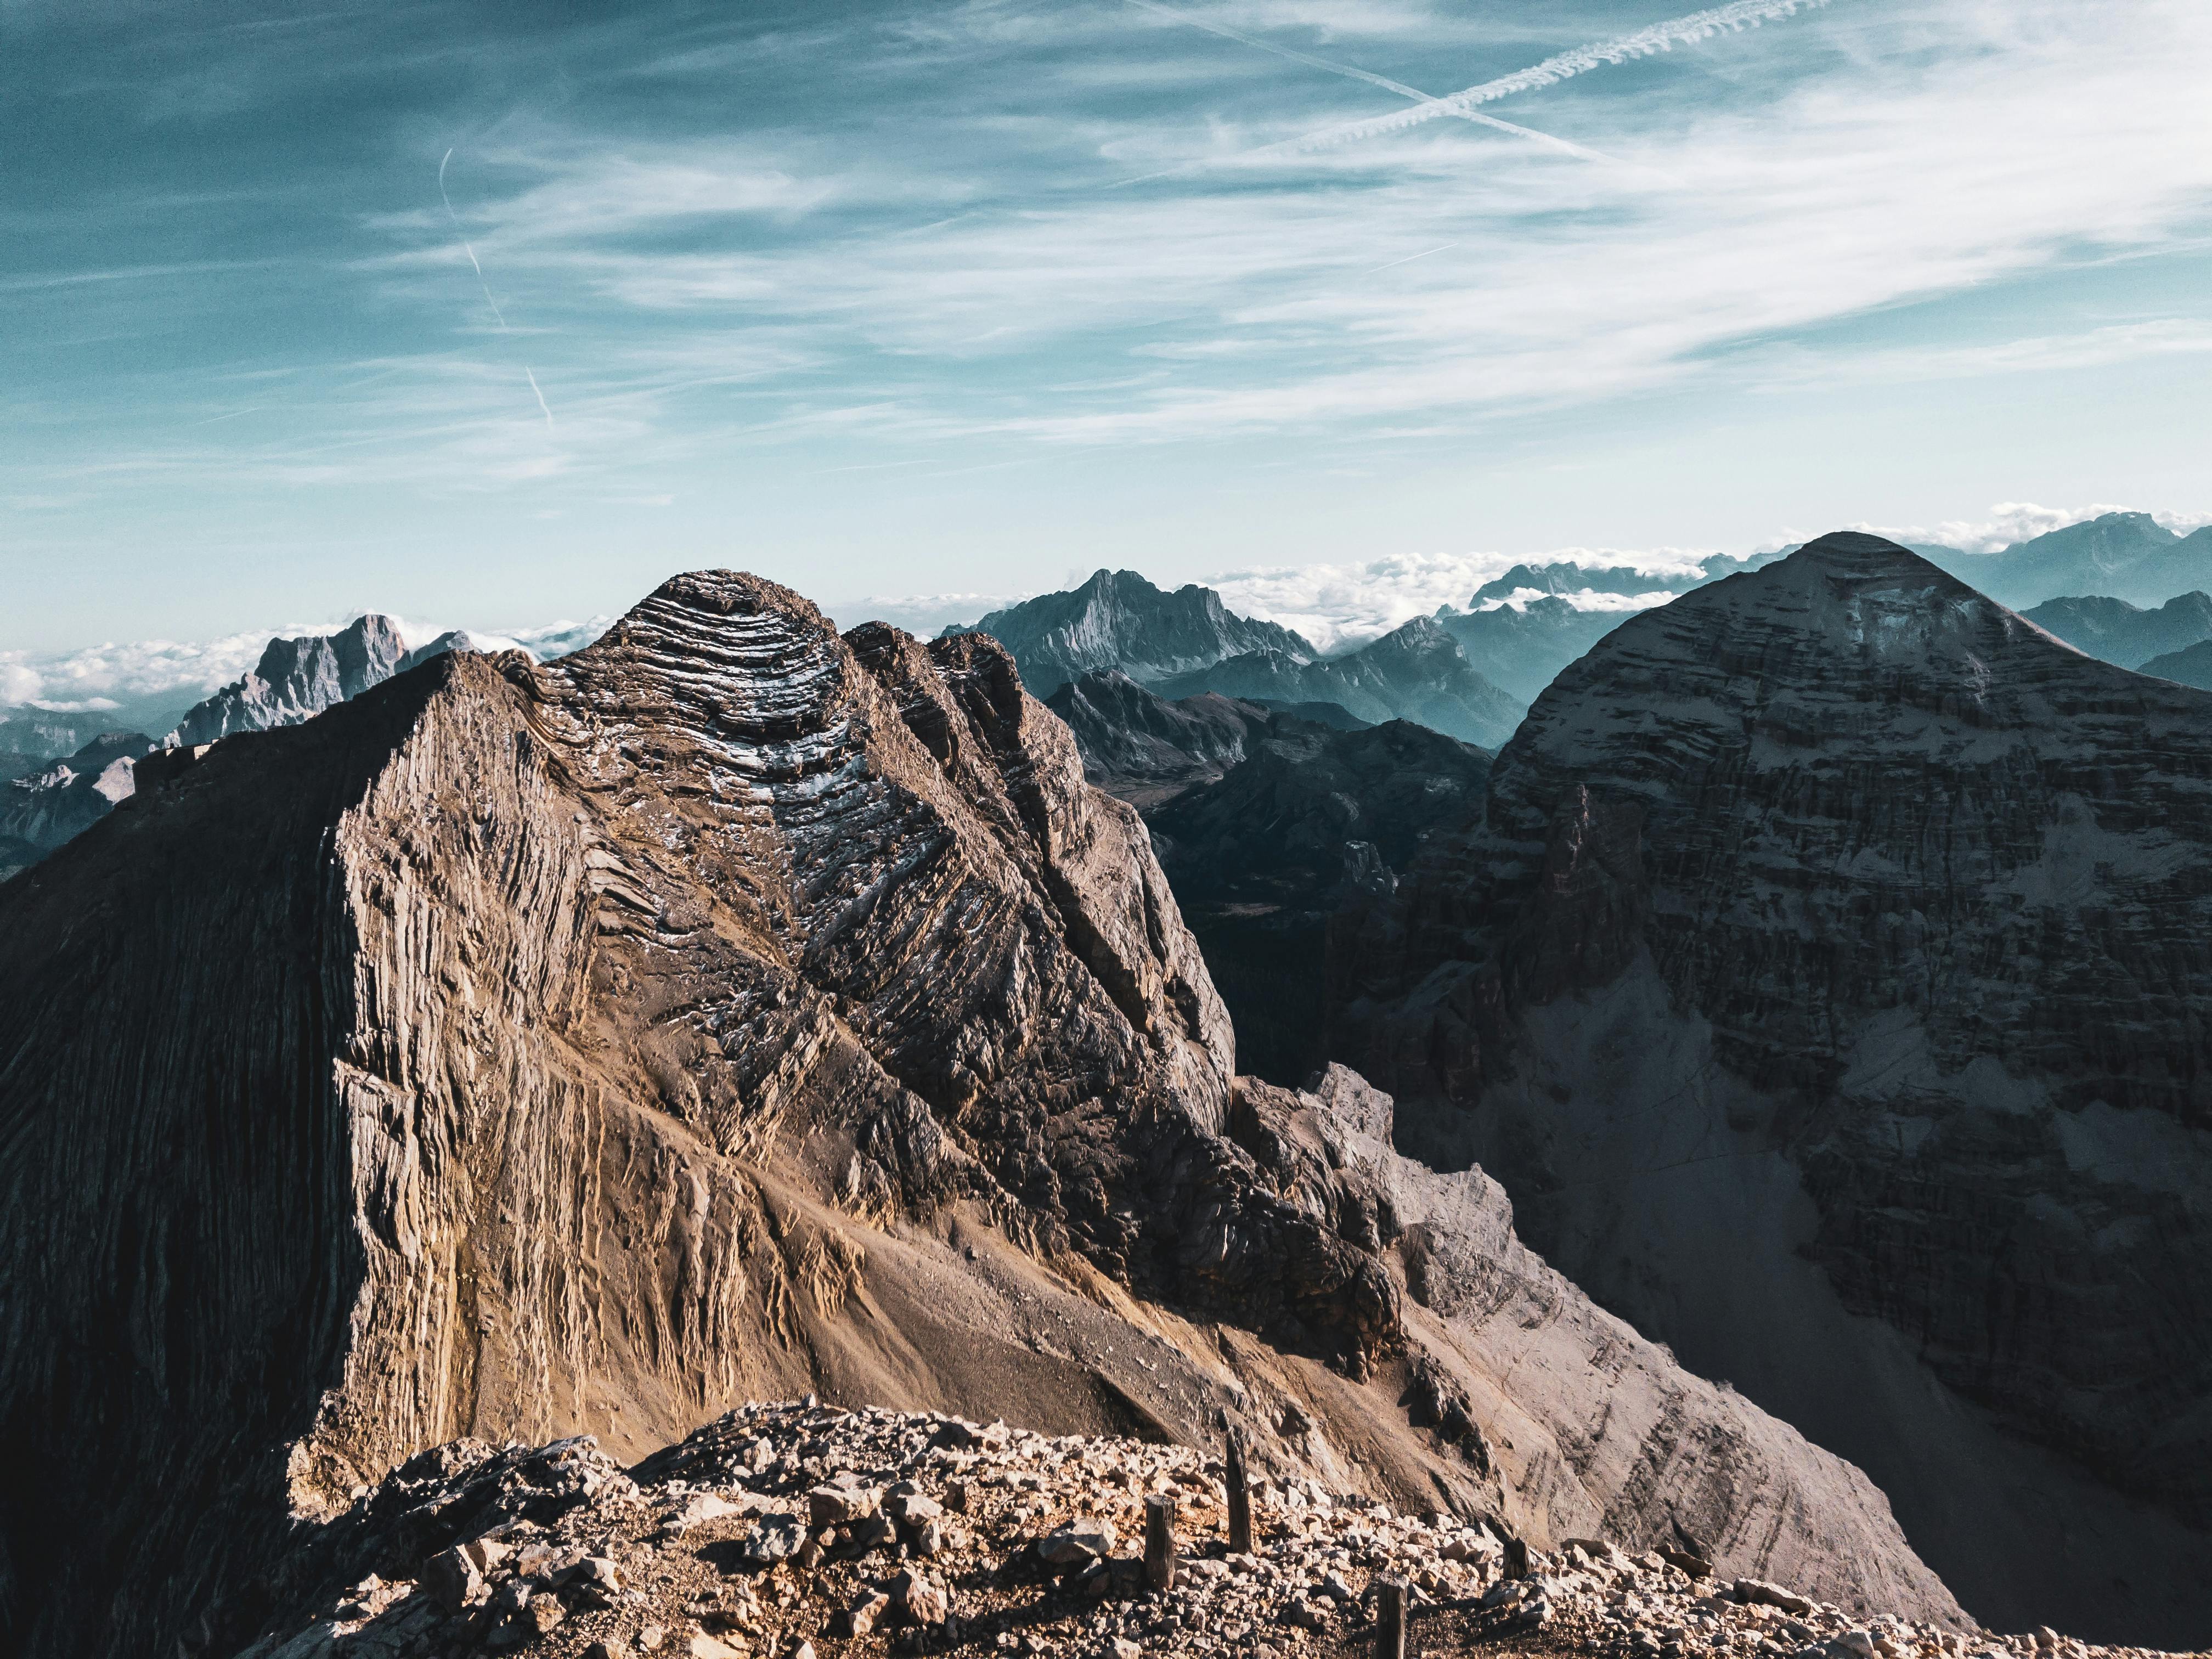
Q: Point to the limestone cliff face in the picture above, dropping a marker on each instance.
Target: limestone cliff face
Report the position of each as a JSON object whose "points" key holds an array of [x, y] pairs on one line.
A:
{"points": [[728, 1010], [1829, 982]]}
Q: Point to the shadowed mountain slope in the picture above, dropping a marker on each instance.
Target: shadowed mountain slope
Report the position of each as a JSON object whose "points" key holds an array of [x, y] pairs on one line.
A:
{"points": [[1828, 979]]}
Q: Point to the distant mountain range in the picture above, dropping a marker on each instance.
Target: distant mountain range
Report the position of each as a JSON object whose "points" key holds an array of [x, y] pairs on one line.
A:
{"points": [[2125, 633], [2190, 667], [1119, 620], [2123, 556], [1416, 672]]}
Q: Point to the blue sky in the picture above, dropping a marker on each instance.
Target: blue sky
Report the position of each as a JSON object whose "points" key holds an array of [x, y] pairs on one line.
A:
{"points": [[906, 299]]}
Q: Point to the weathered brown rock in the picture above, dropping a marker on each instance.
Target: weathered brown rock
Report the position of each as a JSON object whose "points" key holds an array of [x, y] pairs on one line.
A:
{"points": [[728, 1010]]}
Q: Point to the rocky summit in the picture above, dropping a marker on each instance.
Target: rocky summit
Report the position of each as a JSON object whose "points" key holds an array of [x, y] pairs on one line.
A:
{"points": [[796, 1527], [729, 1011], [1824, 978]]}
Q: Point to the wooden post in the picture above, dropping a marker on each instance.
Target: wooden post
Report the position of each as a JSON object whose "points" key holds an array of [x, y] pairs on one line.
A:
{"points": [[1390, 1598], [1159, 1543], [1517, 1557], [1240, 1498]]}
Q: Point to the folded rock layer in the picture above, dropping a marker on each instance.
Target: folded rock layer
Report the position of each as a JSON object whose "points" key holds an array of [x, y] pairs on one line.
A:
{"points": [[728, 1010]]}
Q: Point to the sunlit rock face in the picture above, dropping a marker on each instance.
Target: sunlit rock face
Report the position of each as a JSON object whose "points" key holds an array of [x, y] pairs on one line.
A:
{"points": [[1829, 979], [731, 1010]]}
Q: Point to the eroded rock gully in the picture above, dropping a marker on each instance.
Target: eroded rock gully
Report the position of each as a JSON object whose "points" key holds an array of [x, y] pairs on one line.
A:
{"points": [[730, 1010], [1827, 978]]}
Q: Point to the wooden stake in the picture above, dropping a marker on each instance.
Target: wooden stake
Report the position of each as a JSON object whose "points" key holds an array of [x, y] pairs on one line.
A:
{"points": [[1240, 1498], [1159, 1543], [1390, 1597]]}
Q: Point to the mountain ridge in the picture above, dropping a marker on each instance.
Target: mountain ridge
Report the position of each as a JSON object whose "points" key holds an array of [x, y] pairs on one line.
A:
{"points": [[728, 1007]]}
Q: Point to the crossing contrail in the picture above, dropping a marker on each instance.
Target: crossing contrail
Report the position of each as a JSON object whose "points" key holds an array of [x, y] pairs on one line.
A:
{"points": [[484, 284], [1639, 43], [1353, 72]]}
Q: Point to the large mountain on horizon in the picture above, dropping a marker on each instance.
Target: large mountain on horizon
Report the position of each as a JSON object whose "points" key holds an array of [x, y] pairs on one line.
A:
{"points": [[1824, 977], [297, 678], [1521, 647], [1117, 619], [732, 1010], [1415, 672]]}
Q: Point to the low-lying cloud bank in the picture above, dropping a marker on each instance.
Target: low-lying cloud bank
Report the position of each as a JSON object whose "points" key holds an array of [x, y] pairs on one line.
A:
{"points": [[131, 677]]}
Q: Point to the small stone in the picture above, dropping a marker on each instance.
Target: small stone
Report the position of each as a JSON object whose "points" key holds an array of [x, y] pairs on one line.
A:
{"points": [[1852, 1644], [774, 1538], [918, 1600], [867, 1607], [543, 1614], [453, 1580], [834, 1506], [703, 1646], [608, 1648], [650, 1638], [699, 1506], [1071, 1547], [1125, 1649]]}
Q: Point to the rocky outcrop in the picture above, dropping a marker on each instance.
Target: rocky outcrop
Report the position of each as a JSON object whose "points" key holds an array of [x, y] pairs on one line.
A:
{"points": [[1271, 862], [726, 1010], [42, 810], [1119, 620], [1417, 672], [297, 680], [2126, 633], [1827, 981]]}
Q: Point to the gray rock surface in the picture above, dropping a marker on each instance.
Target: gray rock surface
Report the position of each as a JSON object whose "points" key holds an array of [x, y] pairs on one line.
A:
{"points": [[297, 680], [1119, 620], [1827, 983], [730, 1010]]}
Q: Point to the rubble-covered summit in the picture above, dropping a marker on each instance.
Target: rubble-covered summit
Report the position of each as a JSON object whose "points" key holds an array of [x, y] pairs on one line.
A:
{"points": [[792, 1528]]}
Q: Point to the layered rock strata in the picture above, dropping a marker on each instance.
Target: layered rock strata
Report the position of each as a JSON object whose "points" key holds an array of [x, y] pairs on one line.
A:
{"points": [[1828, 981], [728, 1010]]}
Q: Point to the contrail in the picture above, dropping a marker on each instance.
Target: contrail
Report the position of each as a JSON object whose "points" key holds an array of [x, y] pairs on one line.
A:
{"points": [[1353, 72], [486, 285], [465, 248], [1640, 43], [1409, 259], [542, 403]]}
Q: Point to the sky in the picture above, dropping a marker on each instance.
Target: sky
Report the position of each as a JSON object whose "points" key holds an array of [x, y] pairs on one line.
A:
{"points": [[498, 315]]}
